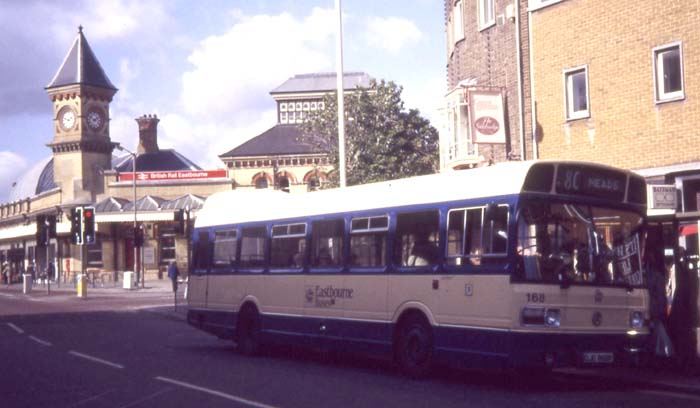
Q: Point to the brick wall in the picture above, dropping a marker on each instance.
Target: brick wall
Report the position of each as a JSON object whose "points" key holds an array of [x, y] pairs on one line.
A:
{"points": [[615, 39], [489, 56]]}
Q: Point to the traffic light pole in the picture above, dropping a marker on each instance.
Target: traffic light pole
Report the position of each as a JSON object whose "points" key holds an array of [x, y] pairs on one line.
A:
{"points": [[48, 271]]}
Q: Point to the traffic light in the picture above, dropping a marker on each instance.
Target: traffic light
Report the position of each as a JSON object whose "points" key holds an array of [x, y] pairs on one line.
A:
{"points": [[76, 225], [51, 225], [42, 231], [180, 220], [138, 236], [88, 225]]}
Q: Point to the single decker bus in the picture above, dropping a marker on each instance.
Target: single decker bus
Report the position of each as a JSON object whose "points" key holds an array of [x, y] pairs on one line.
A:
{"points": [[534, 264]]}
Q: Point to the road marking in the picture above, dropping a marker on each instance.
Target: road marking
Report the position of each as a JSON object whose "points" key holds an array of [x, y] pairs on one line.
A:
{"points": [[672, 394], [96, 360], [40, 341], [216, 393], [17, 329]]}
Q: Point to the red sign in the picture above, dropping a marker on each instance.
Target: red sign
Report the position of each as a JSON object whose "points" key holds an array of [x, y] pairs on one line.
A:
{"points": [[172, 175], [486, 125]]}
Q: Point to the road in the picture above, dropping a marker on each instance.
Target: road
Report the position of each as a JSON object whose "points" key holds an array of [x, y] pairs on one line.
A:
{"points": [[134, 357]]}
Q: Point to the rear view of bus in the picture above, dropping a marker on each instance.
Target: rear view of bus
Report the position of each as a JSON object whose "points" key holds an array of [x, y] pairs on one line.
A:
{"points": [[578, 279]]}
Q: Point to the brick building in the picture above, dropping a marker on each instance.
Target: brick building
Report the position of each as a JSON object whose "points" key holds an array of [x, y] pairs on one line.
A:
{"points": [[610, 82], [626, 95], [486, 53]]}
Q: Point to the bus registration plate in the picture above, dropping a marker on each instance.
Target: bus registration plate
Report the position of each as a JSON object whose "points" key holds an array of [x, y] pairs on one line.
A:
{"points": [[598, 358]]}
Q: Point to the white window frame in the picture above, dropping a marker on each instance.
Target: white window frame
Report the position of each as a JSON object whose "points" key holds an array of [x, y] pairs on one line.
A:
{"points": [[484, 8], [660, 95], [568, 94], [458, 22]]}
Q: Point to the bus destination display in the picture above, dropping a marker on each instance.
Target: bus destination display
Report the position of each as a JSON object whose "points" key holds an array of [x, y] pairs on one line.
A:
{"points": [[596, 182]]}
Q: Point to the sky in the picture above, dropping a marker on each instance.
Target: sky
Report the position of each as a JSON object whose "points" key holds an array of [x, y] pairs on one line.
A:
{"points": [[205, 68]]}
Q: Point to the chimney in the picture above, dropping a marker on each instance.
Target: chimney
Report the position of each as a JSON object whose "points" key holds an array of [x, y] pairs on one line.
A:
{"points": [[148, 134]]}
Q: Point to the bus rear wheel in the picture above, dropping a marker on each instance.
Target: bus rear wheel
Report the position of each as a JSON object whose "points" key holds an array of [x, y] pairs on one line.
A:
{"points": [[248, 332], [414, 347]]}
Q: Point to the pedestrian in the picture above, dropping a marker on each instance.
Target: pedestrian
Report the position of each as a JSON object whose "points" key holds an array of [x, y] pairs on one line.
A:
{"points": [[173, 274], [656, 280], [680, 322], [6, 272]]}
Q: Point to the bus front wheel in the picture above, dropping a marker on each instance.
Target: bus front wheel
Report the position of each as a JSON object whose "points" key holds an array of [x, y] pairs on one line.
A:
{"points": [[414, 346], [248, 332]]}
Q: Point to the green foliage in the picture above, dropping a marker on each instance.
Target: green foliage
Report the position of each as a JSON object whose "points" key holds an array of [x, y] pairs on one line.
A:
{"points": [[383, 141]]}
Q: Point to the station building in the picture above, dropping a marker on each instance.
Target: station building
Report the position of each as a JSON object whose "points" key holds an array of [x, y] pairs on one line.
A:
{"points": [[157, 190], [280, 157]]}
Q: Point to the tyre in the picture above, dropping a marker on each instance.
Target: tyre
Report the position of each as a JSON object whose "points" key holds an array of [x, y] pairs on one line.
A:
{"points": [[414, 346], [248, 332]]}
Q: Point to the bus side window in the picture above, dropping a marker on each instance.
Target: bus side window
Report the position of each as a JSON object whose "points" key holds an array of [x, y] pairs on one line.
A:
{"points": [[496, 230], [368, 241], [416, 239], [288, 248], [464, 236], [225, 251], [201, 253], [253, 247], [327, 243]]}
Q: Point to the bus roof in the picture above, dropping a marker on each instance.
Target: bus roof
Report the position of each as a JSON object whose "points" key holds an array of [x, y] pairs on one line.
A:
{"points": [[240, 206]]}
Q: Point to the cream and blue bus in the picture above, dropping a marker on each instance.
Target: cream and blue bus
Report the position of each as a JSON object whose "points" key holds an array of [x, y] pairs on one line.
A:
{"points": [[521, 265]]}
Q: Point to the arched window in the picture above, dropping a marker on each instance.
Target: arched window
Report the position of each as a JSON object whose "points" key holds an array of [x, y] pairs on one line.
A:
{"points": [[313, 184], [284, 184], [261, 183]]}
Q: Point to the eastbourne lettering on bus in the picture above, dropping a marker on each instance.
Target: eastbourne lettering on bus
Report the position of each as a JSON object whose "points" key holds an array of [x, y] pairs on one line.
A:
{"points": [[325, 296]]}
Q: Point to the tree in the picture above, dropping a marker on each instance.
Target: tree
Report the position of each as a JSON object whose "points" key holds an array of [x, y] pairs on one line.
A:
{"points": [[383, 141]]}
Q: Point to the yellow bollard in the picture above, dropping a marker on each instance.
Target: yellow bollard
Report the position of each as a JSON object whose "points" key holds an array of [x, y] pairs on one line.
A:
{"points": [[82, 286]]}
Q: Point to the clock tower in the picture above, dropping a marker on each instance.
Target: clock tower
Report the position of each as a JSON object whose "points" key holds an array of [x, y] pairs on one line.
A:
{"points": [[82, 149]]}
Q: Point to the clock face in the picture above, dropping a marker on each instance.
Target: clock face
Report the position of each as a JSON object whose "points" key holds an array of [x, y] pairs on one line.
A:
{"points": [[94, 119], [68, 119]]}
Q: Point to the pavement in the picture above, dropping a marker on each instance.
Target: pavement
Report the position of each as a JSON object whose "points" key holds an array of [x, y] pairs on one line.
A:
{"points": [[660, 376]]}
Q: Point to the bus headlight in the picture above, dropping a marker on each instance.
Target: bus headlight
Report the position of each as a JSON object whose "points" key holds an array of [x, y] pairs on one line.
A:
{"points": [[552, 318], [636, 319]]}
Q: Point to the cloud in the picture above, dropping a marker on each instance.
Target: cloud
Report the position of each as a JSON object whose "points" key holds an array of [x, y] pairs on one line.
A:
{"points": [[390, 34], [234, 72], [12, 166]]}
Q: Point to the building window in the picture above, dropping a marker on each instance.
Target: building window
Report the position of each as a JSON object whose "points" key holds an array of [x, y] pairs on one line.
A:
{"points": [[576, 93], [321, 105], [487, 15], [313, 184], [668, 73], [283, 117], [261, 183], [457, 25], [538, 4], [94, 253], [167, 245], [283, 107]]}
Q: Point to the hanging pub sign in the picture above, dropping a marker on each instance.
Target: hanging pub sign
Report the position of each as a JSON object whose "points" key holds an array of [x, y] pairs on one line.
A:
{"points": [[487, 119]]}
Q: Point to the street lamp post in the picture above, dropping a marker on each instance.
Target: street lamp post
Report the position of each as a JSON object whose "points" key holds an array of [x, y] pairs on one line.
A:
{"points": [[134, 156]]}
